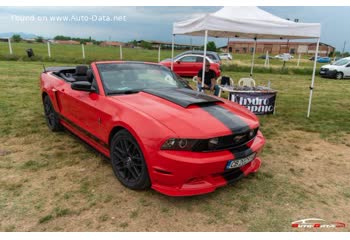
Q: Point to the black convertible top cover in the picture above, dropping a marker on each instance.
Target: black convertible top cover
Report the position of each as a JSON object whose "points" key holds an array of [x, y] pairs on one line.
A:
{"points": [[58, 69], [182, 96]]}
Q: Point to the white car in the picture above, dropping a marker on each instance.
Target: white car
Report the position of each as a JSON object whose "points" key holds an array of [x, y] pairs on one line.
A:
{"points": [[340, 69], [225, 56], [284, 56]]}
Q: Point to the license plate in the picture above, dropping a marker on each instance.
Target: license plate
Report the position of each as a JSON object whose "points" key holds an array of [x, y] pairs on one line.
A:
{"points": [[322, 72], [240, 162]]}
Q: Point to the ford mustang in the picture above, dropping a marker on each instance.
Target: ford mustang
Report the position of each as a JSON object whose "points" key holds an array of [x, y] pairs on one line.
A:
{"points": [[156, 130]]}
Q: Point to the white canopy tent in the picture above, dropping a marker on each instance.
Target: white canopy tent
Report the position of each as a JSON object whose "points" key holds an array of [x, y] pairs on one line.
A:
{"points": [[247, 22]]}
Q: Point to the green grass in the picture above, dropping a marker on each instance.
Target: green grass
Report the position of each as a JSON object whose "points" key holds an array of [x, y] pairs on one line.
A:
{"points": [[52, 179], [73, 53]]}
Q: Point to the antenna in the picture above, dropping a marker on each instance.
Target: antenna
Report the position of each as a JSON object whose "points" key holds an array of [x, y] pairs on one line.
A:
{"points": [[44, 68]]}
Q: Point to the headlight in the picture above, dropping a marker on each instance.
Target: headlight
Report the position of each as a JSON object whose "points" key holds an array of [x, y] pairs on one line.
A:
{"points": [[183, 144]]}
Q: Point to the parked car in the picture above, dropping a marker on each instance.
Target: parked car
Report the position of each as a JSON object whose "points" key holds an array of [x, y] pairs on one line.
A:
{"points": [[225, 56], [212, 55], [264, 57], [157, 131], [323, 60], [313, 58], [284, 56], [188, 65], [340, 69]]}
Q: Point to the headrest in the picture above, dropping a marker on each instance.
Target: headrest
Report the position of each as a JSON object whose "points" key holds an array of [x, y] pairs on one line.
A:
{"points": [[89, 75], [81, 70]]}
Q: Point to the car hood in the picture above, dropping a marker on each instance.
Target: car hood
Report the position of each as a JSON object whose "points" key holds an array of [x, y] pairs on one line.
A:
{"points": [[190, 114], [330, 66]]}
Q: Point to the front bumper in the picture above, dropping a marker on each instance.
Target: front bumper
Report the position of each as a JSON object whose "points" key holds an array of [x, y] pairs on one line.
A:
{"points": [[177, 173], [328, 73]]}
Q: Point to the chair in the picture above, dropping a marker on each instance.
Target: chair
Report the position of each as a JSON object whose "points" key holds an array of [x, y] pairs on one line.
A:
{"points": [[195, 79], [223, 80], [249, 82]]}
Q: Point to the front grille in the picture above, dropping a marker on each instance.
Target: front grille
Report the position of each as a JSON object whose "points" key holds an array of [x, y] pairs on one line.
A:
{"points": [[233, 141], [324, 69]]}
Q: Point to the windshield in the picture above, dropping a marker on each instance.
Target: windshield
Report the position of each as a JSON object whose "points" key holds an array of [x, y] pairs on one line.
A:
{"points": [[121, 78], [341, 62]]}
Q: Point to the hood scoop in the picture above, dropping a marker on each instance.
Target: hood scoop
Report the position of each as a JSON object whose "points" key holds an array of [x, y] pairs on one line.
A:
{"points": [[182, 96]]}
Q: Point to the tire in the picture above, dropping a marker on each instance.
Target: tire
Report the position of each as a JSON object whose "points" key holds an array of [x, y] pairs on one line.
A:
{"points": [[339, 76], [128, 162], [52, 118]]}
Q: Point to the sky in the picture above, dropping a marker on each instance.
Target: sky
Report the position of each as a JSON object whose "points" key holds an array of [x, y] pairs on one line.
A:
{"points": [[153, 23]]}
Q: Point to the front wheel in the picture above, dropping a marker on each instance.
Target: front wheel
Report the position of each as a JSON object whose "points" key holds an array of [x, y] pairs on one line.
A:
{"points": [[339, 76], [128, 162], [52, 119]]}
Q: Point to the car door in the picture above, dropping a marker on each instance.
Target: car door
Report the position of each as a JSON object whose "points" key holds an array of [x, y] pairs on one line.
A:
{"points": [[347, 70], [184, 65], [66, 98], [90, 115]]}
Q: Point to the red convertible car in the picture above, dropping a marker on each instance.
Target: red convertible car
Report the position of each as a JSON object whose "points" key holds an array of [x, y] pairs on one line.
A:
{"points": [[156, 130]]}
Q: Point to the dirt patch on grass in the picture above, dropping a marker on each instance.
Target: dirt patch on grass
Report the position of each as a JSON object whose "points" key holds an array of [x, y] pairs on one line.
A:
{"points": [[54, 182]]}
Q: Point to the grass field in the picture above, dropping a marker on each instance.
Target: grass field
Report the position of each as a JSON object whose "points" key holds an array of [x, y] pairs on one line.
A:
{"points": [[54, 182], [73, 53], [70, 53]]}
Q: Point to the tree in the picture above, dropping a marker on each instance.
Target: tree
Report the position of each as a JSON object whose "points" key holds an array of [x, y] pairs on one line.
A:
{"points": [[211, 46], [60, 37], [16, 38], [39, 39], [146, 45]]}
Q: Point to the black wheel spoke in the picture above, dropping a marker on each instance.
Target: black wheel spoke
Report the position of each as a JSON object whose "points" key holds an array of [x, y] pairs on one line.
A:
{"points": [[133, 173]]}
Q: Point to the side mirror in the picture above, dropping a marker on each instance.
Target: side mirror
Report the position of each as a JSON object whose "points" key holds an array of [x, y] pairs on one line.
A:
{"points": [[84, 86], [347, 65], [178, 62]]}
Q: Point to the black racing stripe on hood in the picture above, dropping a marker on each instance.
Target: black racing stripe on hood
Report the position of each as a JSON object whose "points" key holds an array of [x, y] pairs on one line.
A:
{"points": [[182, 96], [228, 118]]}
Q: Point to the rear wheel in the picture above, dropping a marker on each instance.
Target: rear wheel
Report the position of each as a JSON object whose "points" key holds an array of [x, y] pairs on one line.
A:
{"points": [[128, 162], [52, 119], [339, 75]]}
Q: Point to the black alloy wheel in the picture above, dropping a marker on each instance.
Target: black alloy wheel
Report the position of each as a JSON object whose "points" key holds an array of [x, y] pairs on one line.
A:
{"points": [[128, 162], [339, 76], [52, 118]]}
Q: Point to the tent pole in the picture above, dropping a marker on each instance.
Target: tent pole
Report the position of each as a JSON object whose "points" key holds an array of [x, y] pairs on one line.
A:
{"points": [[313, 77], [252, 67], [204, 57], [159, 53], [172, 52]]}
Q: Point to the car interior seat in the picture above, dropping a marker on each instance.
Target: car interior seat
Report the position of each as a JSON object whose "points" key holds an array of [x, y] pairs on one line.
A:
{"points": [[81, 73]]}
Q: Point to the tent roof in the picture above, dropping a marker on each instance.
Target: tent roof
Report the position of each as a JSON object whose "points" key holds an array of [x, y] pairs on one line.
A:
{"points": [[246, 22]]}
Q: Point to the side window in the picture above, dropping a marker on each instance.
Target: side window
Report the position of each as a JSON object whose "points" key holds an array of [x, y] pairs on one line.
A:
{"points": [[188, 59], [212, 57], [199, 59]]}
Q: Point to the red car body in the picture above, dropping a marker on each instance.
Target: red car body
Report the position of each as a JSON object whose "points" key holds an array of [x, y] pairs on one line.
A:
{"points": [[190, 69], [153, 117]]}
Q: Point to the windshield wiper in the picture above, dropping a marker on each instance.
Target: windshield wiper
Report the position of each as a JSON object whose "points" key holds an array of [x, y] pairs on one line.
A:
{"points": [[123, 92]]}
